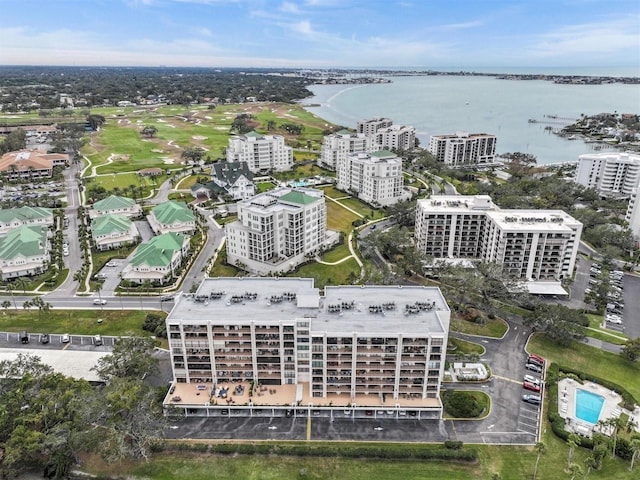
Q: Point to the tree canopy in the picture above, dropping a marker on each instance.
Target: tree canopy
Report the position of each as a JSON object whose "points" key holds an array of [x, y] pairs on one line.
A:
{"points": [[561, 324]]}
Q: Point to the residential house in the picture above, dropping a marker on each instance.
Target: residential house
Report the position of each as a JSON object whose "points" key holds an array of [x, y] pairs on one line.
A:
{"points": [[157, 260], [24, 251], [11, 218], [116, 205], [234, 178], [113, 231], [172, 216]]}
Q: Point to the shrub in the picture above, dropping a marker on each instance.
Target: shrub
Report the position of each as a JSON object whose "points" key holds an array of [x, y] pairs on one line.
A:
{"points": [[155, 324], [461, 404]]}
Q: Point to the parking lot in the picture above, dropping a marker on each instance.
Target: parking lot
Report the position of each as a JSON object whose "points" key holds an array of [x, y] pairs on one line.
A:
{"points": [[56, 341]]}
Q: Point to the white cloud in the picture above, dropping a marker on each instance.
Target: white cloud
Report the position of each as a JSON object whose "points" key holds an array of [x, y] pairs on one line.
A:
{"points": [[460, 26], [289, 7], [204, 31], [594, 38], [304, 27]]}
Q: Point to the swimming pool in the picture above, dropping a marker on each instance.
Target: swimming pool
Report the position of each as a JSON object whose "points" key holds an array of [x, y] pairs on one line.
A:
{"points": [[299, 183], [588, 406]]}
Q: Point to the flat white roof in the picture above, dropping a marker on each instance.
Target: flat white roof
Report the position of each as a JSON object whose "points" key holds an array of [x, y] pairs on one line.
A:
{"points": [[545, 288], [71, 363], [236, 306]]}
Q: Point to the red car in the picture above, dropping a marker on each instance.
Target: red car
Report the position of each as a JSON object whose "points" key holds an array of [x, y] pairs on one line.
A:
{"points": [[537, 358], [531, 386]]}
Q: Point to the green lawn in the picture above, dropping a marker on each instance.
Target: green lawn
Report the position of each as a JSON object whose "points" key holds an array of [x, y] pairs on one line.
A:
{"points": [[362, 208], [341, 274], [125, 180], [495, 328], [463, 347], [592, 361], [337, 253], [333, 192], [338, 218], [79, 322]]}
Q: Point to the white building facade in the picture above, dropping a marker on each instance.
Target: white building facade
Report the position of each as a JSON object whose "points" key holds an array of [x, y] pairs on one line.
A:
{"points": [[262, 153], [275, 346], [612, 174], [395, 137], [376, 178], [463, 148], [537, 247], [371, 126], [278, 230], [337, 146]]}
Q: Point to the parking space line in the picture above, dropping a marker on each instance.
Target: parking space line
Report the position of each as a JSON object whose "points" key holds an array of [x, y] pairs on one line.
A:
{"points": [[66, 346], [508, 379], [309, 428]]}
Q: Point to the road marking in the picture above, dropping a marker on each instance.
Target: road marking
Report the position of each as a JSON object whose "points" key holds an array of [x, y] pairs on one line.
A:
{"points": [[508, 379], [309, 428], [66, 346]]}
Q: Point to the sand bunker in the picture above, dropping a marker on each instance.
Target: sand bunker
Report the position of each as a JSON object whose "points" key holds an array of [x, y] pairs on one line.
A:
{"points": [[199, 137], [168, 161], [157, 150]]}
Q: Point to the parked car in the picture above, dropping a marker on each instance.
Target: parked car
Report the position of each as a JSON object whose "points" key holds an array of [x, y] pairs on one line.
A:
{"points": [[65, 338], [99, 301], [24, 337], [534, 399], [167, 298], [111, 264], [97, 340], [531, 386], [533, 367], [535, 359], [532, 379], [614, 319], [44, 338]]}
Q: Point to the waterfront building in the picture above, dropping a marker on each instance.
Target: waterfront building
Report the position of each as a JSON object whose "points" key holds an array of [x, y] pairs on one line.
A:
{"points": [[395, 137], [11, 218], [113, 231], [376, 178], [537, 247], [337, 146], [262, 153], [278, 230], [612, 174], [463, 148], [278, 347], [24, 251], [172, 216], [371, 126], [158, 259], [116, 205]]}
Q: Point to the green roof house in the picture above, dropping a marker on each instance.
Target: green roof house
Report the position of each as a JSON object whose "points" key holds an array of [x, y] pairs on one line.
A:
{"points": [[158, 259], [113, 231], [24, 251], [11, 218], [172, 217], [117, 205]]}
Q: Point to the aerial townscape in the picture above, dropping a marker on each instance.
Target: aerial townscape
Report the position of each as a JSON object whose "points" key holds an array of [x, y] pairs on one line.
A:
{"points": [[252, 251]]}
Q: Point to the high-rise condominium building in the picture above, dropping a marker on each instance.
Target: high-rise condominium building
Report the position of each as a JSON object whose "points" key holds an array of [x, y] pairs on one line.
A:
{"points": [[376, 178], [612, 174], [371, 126], [395, 137], [278, 230], [537, 247], [262, 153], [463, 148], [338, 145], [276, 346]]}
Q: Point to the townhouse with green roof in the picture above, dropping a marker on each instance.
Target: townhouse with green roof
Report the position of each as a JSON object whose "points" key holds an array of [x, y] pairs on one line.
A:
{"points": [[113, 231], [11, 218], [24, 251], [116, 205], [278, 230], [172, 217], [157, 260]]}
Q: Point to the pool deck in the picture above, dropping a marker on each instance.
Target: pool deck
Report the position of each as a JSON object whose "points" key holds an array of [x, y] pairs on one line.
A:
{"points": [[567, 405]]}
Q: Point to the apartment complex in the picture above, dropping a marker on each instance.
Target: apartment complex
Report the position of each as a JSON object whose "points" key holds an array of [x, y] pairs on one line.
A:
{"points": [[395, 137], [278, 230], [29, 164], [376, 178], [538, 247], [158, 259], [11, 218], [24, 251], [633, 214], [172, 217], [116, 205], [463, 148], [261, 153], [371, 126], [113, 231], [337, 146], [612, 174], [276, 346]]}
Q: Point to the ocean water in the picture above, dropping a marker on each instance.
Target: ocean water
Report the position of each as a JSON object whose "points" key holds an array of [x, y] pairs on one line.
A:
{"points": [[476, 104]]}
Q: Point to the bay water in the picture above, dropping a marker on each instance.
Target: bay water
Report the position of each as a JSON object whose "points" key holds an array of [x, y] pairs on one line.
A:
{"points": [[446, 104]]}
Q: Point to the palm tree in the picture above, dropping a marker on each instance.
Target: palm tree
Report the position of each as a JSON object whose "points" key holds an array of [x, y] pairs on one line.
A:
{"points": [[615, 423], [22, 283], [10, 288], [573, 441], [6, 304], [590, 462], [541, 448], [575, 470], [634, 444], [98, 288]]}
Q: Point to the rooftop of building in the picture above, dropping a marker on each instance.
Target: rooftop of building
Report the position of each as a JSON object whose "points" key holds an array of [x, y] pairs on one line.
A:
{"points": [[368, 310], [457, 203], [172, 212], [462, 135], [107, 224], [158, 251], [113, 202], [23, 214], [283, 197], [25, 241], [230, 172], [25, 159], [534, 220]]}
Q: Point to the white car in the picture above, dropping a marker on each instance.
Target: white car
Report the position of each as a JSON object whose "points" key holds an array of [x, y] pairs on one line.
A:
{"points": [[614, 319], [65, 338], [99, 301], [532, 379]]}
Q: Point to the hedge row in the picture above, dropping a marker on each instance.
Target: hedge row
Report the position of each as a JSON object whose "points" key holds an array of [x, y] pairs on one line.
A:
{"points": [[418, 452]]}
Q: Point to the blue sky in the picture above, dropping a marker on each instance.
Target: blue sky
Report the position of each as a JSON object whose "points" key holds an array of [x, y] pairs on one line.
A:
{"points": [[321, 33]]}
